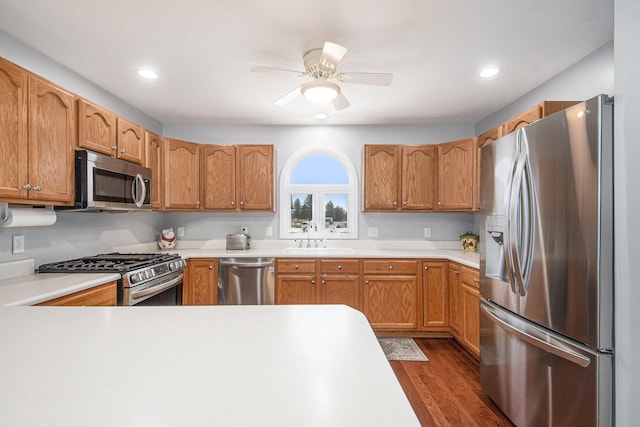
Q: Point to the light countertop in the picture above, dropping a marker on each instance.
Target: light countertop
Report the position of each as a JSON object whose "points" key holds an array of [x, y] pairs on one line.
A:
{"points": [[218, 365]]}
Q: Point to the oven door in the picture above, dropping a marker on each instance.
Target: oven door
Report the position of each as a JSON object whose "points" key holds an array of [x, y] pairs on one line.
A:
{"points": [[166, 290]]}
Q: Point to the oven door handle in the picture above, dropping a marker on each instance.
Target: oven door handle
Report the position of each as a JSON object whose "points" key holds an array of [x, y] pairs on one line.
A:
{"points": [[156, 289]]}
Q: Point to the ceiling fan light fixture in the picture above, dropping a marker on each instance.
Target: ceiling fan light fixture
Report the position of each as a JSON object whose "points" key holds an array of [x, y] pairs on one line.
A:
{"points": [[320, 92]]}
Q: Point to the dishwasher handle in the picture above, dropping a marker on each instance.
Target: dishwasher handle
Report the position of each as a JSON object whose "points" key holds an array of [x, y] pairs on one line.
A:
{"points": [[246, 264]]}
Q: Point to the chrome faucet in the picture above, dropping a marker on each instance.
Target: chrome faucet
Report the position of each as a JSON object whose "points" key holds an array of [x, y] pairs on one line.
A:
{"points": [[311, 224]]}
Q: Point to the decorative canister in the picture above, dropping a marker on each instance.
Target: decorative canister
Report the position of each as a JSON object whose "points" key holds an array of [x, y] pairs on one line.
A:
{"points": [[469, 241]]}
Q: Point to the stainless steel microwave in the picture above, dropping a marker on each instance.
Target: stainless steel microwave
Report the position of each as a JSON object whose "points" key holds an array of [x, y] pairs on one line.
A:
{"points": [[104, 183]]}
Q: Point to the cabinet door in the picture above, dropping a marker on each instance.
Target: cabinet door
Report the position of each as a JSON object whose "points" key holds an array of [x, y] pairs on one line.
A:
{"points": [[181, 169], [435, 296], [296, 289], [485, 139], [51, 142], [200, 286], [96, 128], [153, 160], [390, 302], [455, 303], [456, 171], [418, 177], [13, 134], [339, 289], [130, 141], [219, 177], [101, 295], [522, 119], [470, 285], [381, 177], [256, 178]]}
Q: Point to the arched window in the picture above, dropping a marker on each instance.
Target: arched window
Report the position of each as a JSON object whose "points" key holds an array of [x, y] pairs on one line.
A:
{"points": [[318, 195]]}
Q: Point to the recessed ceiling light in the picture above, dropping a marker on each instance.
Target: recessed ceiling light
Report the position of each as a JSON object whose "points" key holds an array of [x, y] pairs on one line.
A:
{"points": [[147, 74], [488, 72], [320, 116]]}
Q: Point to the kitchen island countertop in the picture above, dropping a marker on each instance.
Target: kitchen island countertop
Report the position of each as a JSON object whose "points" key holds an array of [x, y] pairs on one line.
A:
{"points": [[233, 366]]}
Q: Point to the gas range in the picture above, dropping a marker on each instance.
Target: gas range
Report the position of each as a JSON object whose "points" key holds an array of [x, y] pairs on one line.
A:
{"points": [[143, 275]]}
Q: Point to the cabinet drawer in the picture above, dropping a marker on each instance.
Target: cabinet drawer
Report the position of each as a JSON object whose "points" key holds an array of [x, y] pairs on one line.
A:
{"points": [[470, 276], [332, 266], [390, 266], [102, 295], [297, 265]]}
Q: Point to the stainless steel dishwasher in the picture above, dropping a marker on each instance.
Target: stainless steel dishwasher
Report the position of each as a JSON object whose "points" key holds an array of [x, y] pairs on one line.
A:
{"points": [[246, 281]]}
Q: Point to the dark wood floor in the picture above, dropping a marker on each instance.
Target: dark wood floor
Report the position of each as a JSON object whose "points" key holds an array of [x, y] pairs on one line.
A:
{"points": [[445, 391]]}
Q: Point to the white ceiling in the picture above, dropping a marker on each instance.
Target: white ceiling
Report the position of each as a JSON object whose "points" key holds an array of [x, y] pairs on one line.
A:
{"points": [[203, 51]]}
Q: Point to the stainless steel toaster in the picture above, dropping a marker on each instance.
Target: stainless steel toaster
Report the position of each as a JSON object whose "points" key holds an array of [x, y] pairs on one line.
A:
{"points": [[238, 241]]}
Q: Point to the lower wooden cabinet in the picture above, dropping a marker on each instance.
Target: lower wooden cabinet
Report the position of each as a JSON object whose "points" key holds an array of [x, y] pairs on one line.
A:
{"points": [[390, 294], [435, 296], [200, 286], [455, 306], [470, 301], [322, 281], [102, 295]]}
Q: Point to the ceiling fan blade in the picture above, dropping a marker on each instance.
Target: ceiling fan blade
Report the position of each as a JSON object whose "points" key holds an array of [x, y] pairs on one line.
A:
{"points": [[289, 96], [276, 70], [331, 54], [340, 103], [377, 79]]}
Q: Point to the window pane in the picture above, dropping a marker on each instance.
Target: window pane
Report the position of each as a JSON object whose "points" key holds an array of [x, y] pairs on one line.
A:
{"points": [[301, 209], [319, 169], [335, 211]]}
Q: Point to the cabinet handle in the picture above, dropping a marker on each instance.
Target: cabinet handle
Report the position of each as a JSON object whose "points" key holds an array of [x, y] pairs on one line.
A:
{"points": [[395, 204], [339, 267], [455, 271], [27, 187], [476, 280], [313, 282], [366, 282], [123, 151], [241, 203], [439, 203], [198, 202], [233, 203], [404, 203], [295, 267], [426, 267], [210, 267], [114, 147], [391, 267], [37, 188], [323, 282]]}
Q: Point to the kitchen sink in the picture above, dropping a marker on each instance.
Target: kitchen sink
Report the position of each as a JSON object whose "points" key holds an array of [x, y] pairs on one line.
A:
{"points": [[319, 251]]}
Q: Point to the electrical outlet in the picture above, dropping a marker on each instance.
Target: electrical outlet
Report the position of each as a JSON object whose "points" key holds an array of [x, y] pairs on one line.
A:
{"points": [[180, 231], [373, 231], [427, 232], [269, 231], [18, 244], [244, 229]]}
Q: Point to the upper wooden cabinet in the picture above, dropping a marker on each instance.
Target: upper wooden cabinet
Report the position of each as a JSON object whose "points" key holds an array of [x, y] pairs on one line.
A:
{"points": [[130, 139], [256, 178], [181, 174], [537, 112], [153, 160], [219, 177], [486, 138], [399, 177], [37, 139], [456, 173], [96, 128], [104, 132]]}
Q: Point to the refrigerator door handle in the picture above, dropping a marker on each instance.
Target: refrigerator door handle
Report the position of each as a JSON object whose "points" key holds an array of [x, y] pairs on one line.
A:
{"points": [[521, 227], [550, 347], [507, 244]]}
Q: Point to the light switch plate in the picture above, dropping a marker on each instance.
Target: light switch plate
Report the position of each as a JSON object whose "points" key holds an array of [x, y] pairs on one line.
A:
{"points": [[180, 231], [373, 231], [427, 232], [269, 231]]}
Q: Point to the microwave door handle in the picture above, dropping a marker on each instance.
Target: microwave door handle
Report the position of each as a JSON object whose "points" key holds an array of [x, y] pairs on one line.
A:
{"points": [[138, 179]]}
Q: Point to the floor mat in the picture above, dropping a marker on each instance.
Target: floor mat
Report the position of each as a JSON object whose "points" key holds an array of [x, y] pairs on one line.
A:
{"points": [[401, 349]]}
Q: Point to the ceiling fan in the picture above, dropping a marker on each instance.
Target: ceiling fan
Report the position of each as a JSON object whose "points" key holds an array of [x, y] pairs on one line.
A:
{"points": [[320, 64]]}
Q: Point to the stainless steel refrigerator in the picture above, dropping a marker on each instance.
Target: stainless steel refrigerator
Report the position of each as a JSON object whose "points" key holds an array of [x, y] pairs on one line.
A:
{"points": [[546, 269]]}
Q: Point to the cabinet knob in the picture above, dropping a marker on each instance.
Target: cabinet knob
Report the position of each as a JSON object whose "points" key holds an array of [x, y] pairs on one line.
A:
{"points": [[395, 204], [391, 267], [123, 151], [455, 271], [313, 282], [323, 282], [233, 203], [404, 203], [426, 267], [37, 188], [114, 147], [476, 280], [366, 282], [198, 202], [210, 267], [295, 267], [27, 187], [339, 267], [241, 203], [439, 203]]}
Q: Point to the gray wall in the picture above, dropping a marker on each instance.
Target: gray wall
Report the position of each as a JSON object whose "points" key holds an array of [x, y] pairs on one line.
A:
{"points": [[627, 210], [350, 140], [591, 76]]}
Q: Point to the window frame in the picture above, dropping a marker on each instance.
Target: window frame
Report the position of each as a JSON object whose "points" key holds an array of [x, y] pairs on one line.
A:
{"points": [[319, 191]]}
